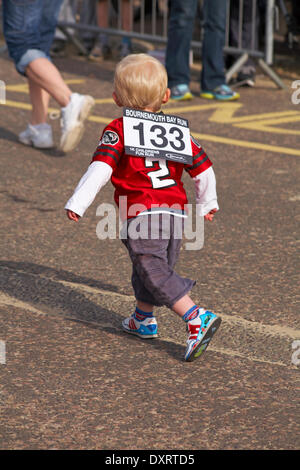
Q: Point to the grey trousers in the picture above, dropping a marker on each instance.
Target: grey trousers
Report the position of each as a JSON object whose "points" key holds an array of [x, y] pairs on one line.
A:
{"points": [[153, 255]]}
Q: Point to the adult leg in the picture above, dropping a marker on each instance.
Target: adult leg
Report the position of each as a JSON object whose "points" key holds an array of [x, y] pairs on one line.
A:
{"points": [[39, 99], [213, 70], [126, 47], [88, 15], [249, 40], [45, 75], [180, 30], [101, 49]]}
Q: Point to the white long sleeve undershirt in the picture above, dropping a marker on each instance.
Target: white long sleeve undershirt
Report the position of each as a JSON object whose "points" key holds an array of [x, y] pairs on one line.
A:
{"points": [[206, 194], [99, 173]]}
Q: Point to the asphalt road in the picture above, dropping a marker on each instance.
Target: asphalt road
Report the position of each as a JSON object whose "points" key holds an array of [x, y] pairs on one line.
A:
{"points": [[70, 377]]}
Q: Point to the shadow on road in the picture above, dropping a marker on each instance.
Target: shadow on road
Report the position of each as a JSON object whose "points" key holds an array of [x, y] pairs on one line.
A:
{"points": [[6, 134], [42, 287]]}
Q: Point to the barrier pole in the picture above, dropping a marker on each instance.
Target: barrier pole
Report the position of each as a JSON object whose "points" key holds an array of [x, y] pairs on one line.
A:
{"points": [[269, 45]]}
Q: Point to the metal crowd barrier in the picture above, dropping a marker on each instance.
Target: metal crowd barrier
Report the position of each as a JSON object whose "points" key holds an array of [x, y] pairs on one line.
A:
{"points": [[148, 21]]}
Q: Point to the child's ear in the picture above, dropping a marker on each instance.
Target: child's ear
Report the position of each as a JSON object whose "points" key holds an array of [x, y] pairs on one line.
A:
{"points": [[116, 100], [167, 96]]}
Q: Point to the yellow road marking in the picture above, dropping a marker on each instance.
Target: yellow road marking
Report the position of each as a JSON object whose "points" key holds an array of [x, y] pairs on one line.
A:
{"points": [[104, 100], [247, 144], [191, 109], [23, 87], [267, 125], [102, 120], [202, 137], [224, 114], [17, 104]]}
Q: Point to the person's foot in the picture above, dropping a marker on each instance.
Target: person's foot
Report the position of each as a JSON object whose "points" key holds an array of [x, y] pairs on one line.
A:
{"points": [[100, 52], [222, 93], [181, 92], [125, 48], [72, 120], [39, 136], [58, 47], [200, 332], [146, 328], [245, 79]]}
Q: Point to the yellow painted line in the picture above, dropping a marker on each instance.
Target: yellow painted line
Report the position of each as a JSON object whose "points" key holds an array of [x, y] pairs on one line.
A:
{"points": [[102, 120], [20, 88], [223, 113], [278, 117], [190, 109], [27, 106], [247, 144], [23, 87], [202, 137], [104, 100], [267, 125], [17, 104]]}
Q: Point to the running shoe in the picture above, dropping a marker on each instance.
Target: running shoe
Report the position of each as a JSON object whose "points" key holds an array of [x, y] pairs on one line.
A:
{"points": [[244, 79], [39, 136], [125, 48], [222, 93], [181, 92], [72, 120], [200, 332], [100, 52], [144, 329]]}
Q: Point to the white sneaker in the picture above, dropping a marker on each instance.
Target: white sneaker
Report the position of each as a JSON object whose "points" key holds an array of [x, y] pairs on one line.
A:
{"points": [[72, 119], [39, 136]]}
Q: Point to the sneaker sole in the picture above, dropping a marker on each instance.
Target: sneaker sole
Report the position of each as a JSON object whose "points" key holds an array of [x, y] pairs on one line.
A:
{"points": [[132, 332], [75, 134], [186, 97], [30, 143], [95, 58], [209, 96], [203, 344], [248, 82]]}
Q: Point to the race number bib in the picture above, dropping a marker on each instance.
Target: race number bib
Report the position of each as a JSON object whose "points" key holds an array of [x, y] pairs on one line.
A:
{"points": [[160, 136]]}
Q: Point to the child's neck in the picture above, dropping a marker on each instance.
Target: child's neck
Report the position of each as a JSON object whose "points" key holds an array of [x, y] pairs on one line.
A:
{"points": [[150, 110]]}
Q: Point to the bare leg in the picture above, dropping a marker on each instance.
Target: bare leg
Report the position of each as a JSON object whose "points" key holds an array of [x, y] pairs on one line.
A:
{"points": [[40, 100], [44, 74], [145, 307], [183, 305], [102, 13], [180, 307], [126, 16]]}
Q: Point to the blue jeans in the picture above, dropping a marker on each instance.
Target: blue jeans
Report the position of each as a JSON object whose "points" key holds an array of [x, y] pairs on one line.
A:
{"points": [[180, 30], [29, 27]]}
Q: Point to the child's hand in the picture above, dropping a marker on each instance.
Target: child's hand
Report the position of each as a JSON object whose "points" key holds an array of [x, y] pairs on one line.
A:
{"points": [[210, 215], [72, 216]]}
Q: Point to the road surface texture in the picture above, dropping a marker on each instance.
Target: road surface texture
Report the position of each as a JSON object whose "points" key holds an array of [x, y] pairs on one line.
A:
{"points": [[70, 377]]}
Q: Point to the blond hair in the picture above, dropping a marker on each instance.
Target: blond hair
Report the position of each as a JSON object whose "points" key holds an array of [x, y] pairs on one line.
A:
{"points": [[140, 82]]}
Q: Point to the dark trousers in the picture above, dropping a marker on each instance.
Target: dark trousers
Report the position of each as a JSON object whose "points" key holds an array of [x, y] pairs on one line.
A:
{"points": [[180, 30], [249, 36], [153, 257]]}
